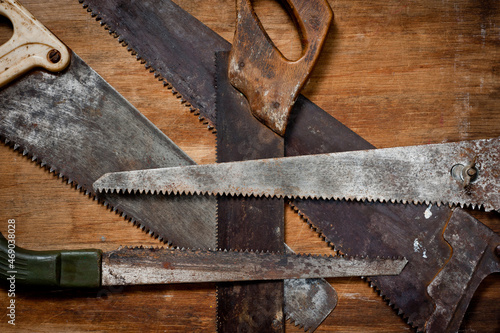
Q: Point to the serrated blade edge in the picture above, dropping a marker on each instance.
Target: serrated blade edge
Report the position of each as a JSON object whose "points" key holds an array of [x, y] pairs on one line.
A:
{"points": [[418, 174], [131, 266]]}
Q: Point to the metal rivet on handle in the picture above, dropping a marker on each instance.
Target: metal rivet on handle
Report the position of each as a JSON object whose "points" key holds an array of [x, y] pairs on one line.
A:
{"points": [[54, 56]]}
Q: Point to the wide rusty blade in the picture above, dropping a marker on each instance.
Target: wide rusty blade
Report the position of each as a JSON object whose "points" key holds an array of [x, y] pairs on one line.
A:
{"points": [[352, 227], [247, 223], [476, 254], [418, 174], [239, 135], [78, 126]]}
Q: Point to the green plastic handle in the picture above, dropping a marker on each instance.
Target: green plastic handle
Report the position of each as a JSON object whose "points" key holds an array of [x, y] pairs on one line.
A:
{"points": [[51, 269]]}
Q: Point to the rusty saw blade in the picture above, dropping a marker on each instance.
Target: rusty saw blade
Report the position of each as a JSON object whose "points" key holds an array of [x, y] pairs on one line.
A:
{"points": [[154, 265], [248, 223], [312, 131], [77, 126], [132, 266], [463, 173]]}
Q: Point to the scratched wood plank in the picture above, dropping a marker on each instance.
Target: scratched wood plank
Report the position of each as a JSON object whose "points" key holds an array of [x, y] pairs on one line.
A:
{"points": [[396, 72]]}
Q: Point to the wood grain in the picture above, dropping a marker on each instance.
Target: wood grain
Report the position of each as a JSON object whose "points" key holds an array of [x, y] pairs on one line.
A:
{"points": [[396, 72]]}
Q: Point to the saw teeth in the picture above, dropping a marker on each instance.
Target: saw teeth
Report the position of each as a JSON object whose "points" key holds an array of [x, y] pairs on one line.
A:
{"points": [[398, 310], [231, 193], [124, 43]]}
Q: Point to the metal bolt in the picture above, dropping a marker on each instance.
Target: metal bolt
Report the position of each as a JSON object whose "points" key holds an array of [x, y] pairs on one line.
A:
{"points": [[241, 64], [54, 56], [276, 105], [472, 172]]}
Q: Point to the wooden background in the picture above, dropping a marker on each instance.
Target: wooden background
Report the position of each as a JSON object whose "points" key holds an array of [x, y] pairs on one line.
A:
{"points": [[397, 72]]}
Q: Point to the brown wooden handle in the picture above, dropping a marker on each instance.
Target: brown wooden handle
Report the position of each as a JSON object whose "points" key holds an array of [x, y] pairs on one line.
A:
{"points": [[270, 82]]}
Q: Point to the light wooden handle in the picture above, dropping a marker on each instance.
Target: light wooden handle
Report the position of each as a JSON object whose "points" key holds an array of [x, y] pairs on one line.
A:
{"points": [[32, 45]]}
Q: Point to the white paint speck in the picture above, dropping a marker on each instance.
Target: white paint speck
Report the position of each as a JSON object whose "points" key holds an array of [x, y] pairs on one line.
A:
{"points": [[417, 247], [428, 213]]}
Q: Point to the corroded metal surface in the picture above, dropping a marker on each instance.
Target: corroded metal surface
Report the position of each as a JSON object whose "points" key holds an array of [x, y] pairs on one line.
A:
{"points": [[75, 124], [243, 221], [475, 257], [357, 228], [247, 223], [418, 174], [269, 81], [132, 266]]}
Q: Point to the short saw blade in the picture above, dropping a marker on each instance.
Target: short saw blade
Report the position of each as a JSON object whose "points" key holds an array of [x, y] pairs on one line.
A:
{"points": [[421, 174], [135, 266]]}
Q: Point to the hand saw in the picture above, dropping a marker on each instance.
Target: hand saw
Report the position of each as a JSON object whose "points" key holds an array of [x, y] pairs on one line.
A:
{"points": [[92, 268], [77, 163], [252, 222], [318, 129], [430, 174]]}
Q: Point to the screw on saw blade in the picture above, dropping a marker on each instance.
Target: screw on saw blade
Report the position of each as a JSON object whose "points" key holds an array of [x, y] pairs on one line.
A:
{"points": [[465, 173], [54, 56]]}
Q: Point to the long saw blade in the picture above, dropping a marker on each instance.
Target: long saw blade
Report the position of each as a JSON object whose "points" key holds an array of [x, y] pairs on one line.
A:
{"points": [[419, 174], [77, 126]]}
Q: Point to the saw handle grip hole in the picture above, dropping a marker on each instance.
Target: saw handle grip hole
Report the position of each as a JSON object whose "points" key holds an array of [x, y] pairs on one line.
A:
{"points": [[289, 43], [6, 29]]}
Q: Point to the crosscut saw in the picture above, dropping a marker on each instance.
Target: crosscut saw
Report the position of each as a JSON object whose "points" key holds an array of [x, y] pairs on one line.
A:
{"points": [[437, 174], [257, 68], [314, 131], [93, 268], [69, 105]]}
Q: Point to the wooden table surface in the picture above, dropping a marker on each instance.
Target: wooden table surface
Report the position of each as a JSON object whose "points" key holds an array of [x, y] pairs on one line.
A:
{"points": [[396, 72]]}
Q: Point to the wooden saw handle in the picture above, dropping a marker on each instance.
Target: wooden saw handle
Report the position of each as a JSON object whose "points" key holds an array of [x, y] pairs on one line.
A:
{"points": [[31, 45], [269, 81]]}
